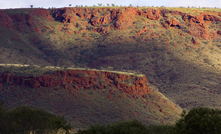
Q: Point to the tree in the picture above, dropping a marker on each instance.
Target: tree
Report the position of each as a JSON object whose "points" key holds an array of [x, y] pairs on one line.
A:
{"points": [[124, 127], [31, 6], [69, 5], [24, 119], [199, 120], [99, 4]]}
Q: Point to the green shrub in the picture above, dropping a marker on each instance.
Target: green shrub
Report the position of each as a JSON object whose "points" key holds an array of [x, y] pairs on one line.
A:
{"points": [[159, 129], [129, 127], [199, 120], [3, 117], [24, 119], [126, 127]]}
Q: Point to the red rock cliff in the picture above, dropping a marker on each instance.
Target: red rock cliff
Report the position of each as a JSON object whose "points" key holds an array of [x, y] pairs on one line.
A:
{"points": [[122, 18], [133, 86], [28, 21], [117, 18], [5, 20]]}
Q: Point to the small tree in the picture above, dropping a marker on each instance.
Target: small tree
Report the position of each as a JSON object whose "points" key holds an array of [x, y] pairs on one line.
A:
{"points": [[99, 4], [69, 5], [199, 120], [31, 6], [108, 5], [112, 5], [24, 119]]}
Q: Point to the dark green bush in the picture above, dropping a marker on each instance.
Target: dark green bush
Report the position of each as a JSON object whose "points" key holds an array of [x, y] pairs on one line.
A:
{"points": [[199, 120], [127, 127], [159, 129], [3, 117], [24, 119]]}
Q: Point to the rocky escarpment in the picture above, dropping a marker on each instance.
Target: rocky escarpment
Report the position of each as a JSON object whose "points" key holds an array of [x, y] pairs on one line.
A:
{"points": [[133, 86], [88, 97], [122, 18], [105, 19]]}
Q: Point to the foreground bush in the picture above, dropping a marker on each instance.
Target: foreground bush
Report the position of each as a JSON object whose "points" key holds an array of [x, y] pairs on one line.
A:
{"points": [[159, 129], [199, 121], [128, 127], [3, 117], [23, 119]]}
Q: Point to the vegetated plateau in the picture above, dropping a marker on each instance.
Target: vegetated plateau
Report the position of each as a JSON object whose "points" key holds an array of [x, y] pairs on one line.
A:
{"points": [[177, 49]]}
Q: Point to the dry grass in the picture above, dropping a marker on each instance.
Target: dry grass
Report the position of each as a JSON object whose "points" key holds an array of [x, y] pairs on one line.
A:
{"points": [[26, 70]]}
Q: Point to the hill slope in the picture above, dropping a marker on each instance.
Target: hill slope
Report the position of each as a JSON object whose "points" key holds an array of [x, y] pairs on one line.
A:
{"points": [[87, 97], [178, 49]]}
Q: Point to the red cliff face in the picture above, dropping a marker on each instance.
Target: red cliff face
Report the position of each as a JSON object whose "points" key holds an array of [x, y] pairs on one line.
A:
{"points": [[105, 19], [133, 86], [122, 18], [29, 22], [5, 20]]}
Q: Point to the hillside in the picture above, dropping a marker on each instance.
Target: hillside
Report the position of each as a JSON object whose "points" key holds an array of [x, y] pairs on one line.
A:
{"points": [[86, 97], [177, 49]]}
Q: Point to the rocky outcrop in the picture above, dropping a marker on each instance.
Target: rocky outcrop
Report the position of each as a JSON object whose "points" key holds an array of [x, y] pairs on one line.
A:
{"points": [[133, 86], [152, 14], [195, 42], [171, 23], [144, 29]]}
